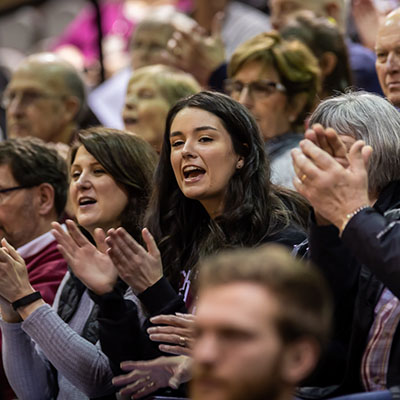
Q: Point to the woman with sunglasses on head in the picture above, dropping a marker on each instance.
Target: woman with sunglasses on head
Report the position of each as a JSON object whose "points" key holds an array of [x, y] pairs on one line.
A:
{"points": [[277, 80], [54, 352]]}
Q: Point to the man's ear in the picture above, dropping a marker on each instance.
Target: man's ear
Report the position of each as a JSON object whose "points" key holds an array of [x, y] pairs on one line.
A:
{"points": [[299, 360], [45, 199], [72, 106]]}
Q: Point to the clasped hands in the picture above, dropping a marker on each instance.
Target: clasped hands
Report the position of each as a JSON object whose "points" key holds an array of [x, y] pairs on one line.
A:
{"points": [[145, 377], [331, 177]]}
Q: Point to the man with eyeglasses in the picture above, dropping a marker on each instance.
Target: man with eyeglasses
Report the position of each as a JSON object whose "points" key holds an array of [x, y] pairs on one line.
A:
{"points": [[33, 193], [45, 98]]}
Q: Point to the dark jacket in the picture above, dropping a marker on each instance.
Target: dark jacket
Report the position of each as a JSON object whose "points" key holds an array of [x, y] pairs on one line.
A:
{"points": [[358, 267], [121, 336]]}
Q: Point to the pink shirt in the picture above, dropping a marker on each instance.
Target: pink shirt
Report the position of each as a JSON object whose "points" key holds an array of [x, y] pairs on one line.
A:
{"points": [[82, 31]]}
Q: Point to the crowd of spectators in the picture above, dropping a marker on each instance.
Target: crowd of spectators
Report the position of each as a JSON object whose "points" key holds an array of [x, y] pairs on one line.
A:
{"points": [[200, 199]]}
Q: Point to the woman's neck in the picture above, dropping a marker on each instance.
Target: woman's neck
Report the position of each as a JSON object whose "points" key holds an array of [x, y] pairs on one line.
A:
{"points": [[213, 207]]}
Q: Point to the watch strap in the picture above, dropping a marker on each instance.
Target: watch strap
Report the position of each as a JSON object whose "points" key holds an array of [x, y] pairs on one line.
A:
{"points": [[28, 299]]}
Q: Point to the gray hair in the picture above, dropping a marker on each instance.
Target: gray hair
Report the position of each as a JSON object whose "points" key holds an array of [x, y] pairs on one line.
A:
{"points": [[373, 119]]}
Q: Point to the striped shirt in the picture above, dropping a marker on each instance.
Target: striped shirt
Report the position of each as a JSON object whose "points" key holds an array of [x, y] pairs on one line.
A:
{"points": [[375, 360]]}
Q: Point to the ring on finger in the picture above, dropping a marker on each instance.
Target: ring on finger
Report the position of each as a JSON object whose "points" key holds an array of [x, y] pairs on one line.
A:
{"points": [[182, 341], [150, 384], [303, 178]]}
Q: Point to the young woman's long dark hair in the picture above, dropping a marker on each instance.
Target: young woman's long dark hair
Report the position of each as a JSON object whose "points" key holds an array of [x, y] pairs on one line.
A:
{"points": [[252, 211]]}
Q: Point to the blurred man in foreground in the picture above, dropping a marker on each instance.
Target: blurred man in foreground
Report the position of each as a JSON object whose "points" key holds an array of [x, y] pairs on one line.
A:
{"points": [[262, 319]]}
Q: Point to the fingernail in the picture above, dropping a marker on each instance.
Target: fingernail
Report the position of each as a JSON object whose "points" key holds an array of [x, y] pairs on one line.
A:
{"points": [[173, 384], [151, 330]]}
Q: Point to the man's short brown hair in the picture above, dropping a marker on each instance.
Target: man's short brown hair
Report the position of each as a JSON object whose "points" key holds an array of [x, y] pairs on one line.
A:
{"points": [[303, 295], [33, 162]]}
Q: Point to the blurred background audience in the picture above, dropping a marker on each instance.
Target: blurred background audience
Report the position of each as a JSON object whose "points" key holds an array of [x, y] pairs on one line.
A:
{"points": [[362, 59], [45, 98], [148, 47], [152, 91], [198, 45], [326, 41]]}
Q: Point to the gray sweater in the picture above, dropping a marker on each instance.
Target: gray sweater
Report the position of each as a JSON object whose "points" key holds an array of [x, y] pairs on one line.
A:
{"points": [[29, 347]]}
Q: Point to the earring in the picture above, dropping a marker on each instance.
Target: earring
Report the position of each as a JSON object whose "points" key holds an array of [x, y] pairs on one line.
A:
{"points": [[239, 164]]}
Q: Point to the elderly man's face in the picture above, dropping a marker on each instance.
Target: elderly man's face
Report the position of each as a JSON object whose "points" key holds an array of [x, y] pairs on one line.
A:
{"points": [[35, 102], [238, 353], [388, 57]]}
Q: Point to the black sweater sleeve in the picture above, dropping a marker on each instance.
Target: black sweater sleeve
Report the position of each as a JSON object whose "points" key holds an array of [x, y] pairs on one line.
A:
{"points": [[375, 242], [122, 337]]}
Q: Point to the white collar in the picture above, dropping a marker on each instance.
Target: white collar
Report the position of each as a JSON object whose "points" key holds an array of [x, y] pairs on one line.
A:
{"points": [[36, 245]]}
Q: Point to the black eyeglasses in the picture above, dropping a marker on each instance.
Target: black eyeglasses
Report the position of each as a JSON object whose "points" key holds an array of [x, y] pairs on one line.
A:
{"points": [[12, 189], [257, 89]]}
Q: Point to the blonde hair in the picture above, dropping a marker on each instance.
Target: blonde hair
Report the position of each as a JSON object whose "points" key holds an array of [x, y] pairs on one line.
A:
{"points": [[172, 82]]}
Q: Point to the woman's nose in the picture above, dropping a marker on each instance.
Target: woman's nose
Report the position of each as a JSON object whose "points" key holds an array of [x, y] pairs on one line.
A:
{"points": [[188, 149], [130, 102], [245, 97], [83, 181]]}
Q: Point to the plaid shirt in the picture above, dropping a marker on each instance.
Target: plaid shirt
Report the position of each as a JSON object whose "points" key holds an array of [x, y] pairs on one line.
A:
{"points": [[375, 360]]}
